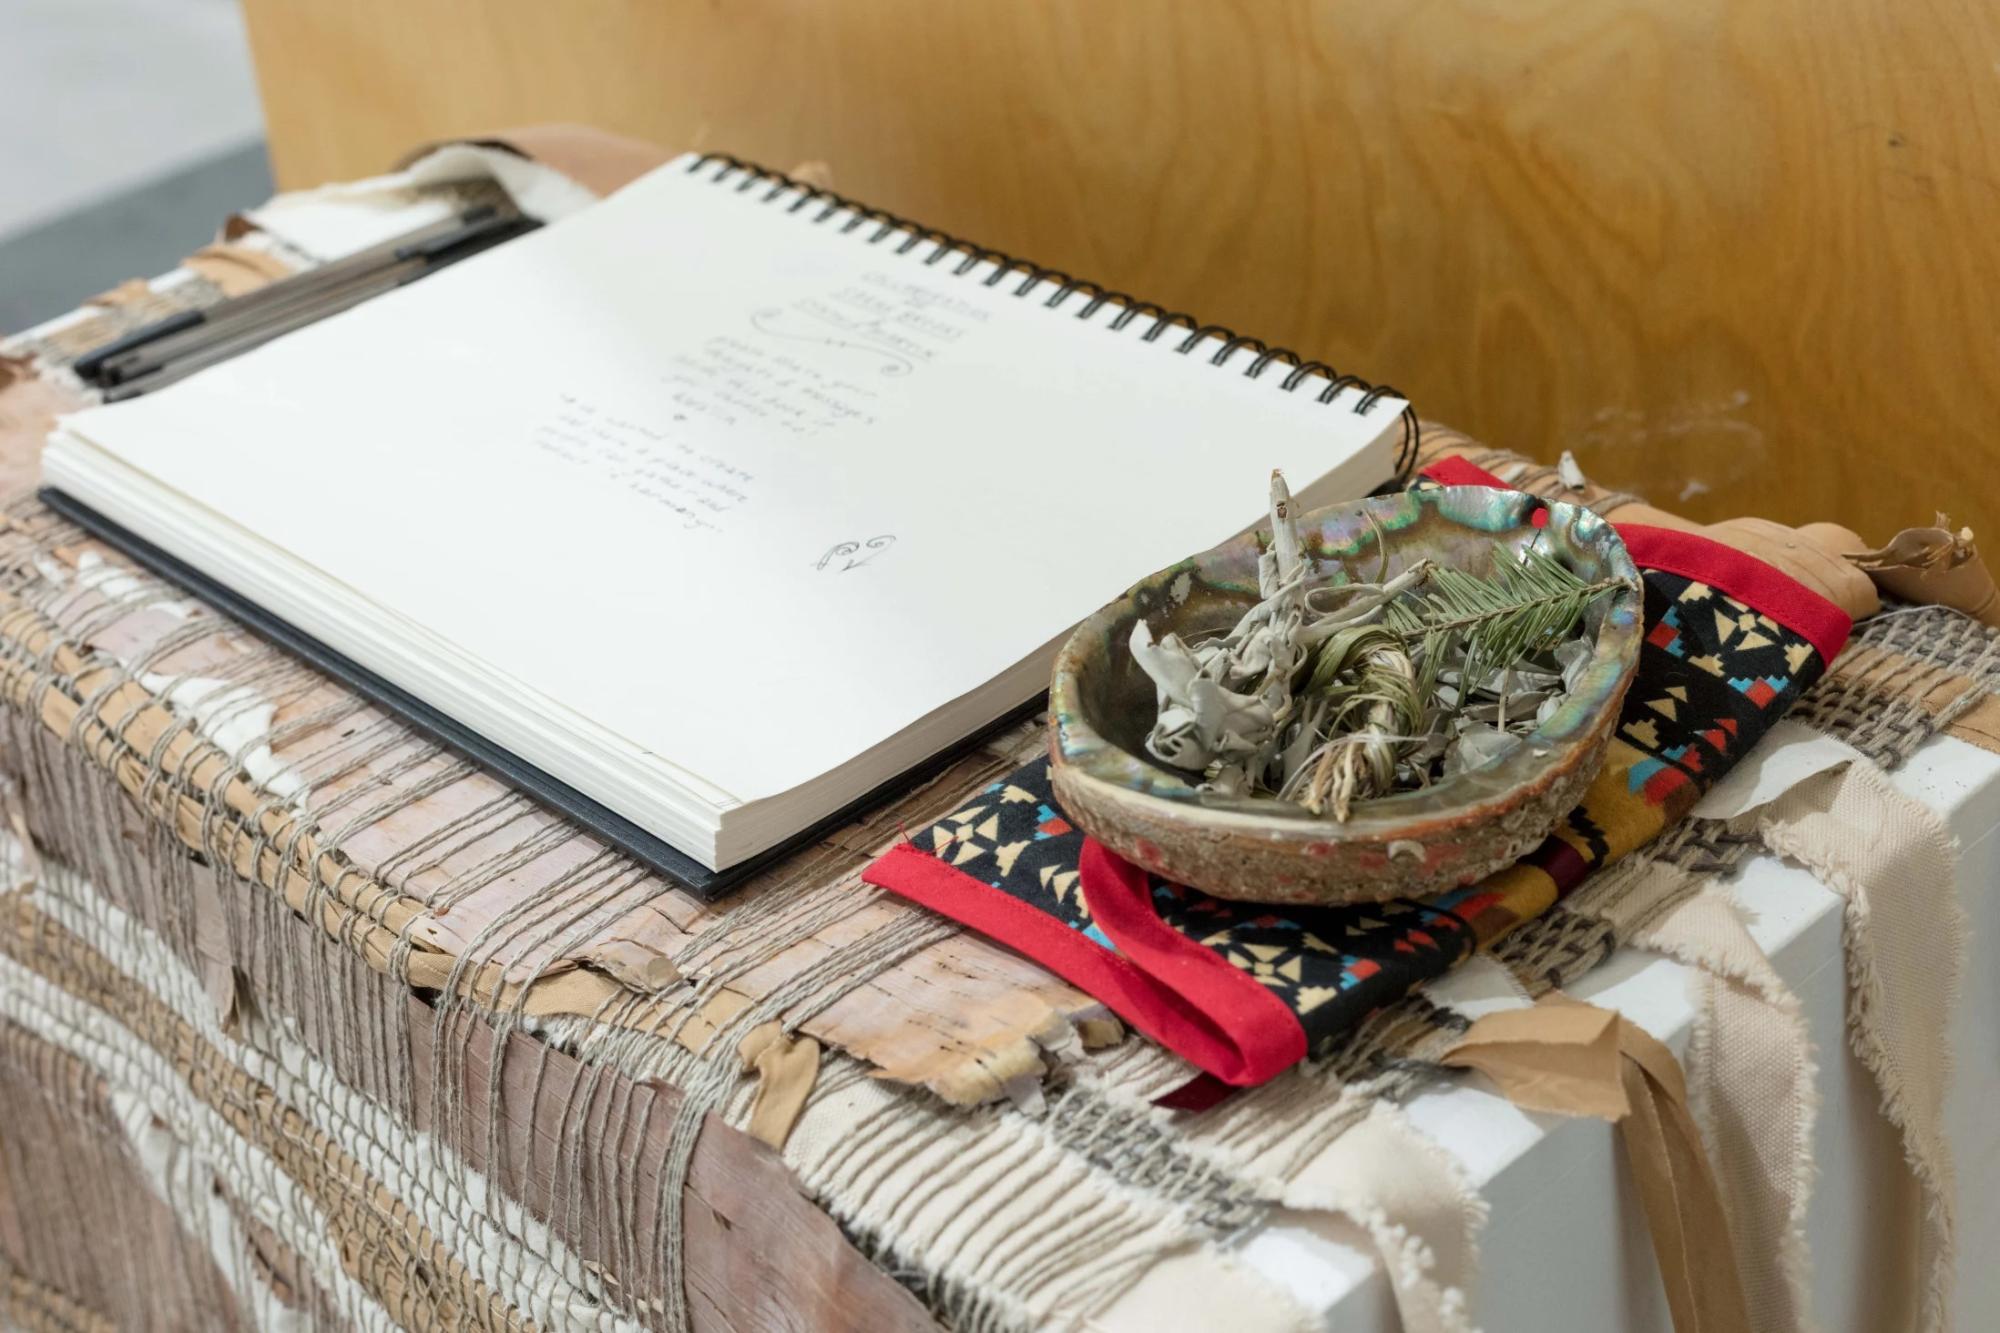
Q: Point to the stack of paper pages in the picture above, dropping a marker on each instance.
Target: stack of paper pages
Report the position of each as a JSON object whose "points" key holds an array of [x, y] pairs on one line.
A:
{"points": [[713, 508]]}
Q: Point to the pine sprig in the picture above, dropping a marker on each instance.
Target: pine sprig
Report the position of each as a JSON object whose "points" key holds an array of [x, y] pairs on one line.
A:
{"points": [[1496, 621]]}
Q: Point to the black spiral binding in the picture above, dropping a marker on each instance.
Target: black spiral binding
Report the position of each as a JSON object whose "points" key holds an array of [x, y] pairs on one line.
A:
{"points": [[1034, 275]]}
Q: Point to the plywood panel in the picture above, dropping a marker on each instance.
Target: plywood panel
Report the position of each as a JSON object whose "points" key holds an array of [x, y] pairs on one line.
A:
{"points": [[1740, 256]]}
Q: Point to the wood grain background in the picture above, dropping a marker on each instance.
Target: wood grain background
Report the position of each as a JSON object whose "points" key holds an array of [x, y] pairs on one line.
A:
{"points": [[1740, 257]]}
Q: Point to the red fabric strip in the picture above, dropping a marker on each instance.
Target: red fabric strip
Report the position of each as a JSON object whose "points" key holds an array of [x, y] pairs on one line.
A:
{"points": [[1200, 1093], [1560, 862], [1744, 577], [1121, 902], [1234, 1041], [1457, 471]]}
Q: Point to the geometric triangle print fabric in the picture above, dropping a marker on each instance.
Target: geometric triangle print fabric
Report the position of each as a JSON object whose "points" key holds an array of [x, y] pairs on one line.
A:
{"points": [[1308, 970], [1244, 990]]}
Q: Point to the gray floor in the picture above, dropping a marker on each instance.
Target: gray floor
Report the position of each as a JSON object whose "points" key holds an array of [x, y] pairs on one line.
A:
{"points": [[135, 234], [133, 130]]}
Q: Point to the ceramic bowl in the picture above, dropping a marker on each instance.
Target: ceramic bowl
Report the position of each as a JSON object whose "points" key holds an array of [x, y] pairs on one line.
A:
{"points": [[1459, 829]]}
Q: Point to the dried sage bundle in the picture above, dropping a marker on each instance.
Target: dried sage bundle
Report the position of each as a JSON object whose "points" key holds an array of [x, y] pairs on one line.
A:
{"points": [[1331, 692]]}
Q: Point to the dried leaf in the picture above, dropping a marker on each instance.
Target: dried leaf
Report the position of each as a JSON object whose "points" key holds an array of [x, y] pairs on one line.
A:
{"points": [[1344, 691], [1920, 548], [1571, 472]]}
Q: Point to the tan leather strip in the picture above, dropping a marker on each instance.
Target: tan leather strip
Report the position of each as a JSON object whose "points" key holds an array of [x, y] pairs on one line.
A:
{"points": [[1570, 1058], [1670, 1166], [787, 1066]]}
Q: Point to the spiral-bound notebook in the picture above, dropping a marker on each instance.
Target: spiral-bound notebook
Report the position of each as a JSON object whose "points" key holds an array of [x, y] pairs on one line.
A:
{"points": [[714, 509]]}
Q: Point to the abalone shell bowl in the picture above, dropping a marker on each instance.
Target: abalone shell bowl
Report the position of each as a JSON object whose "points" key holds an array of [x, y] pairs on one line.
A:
{"points": [[1424, 841]]}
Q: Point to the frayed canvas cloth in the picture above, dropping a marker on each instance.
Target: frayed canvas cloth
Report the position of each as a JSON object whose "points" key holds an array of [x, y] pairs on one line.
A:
{"points": [[1414, 1202], [1895, 866], [1569, 1058], [1750, 1071], [1751, 1066]]}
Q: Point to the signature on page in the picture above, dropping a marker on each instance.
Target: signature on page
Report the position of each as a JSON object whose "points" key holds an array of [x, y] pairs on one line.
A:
{"points": [[843, 556]]}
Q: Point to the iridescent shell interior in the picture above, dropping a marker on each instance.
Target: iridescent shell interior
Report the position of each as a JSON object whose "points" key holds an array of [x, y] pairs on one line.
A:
{"points": [[1102, 705]]}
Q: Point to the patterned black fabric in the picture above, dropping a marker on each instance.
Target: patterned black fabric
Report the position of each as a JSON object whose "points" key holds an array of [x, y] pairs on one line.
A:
{"points": [[1714, 675], [1330, 966]]}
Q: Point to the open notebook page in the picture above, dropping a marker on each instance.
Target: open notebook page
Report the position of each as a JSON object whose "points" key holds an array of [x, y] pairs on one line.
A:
{"points": [[742, 489]]}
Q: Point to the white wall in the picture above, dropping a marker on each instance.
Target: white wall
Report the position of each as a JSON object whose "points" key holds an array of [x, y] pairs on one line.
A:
{"points": [[105, 95]]}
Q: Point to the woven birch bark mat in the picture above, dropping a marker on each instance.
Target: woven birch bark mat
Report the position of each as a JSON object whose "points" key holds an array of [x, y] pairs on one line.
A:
{"points": [[388, 1044]]}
